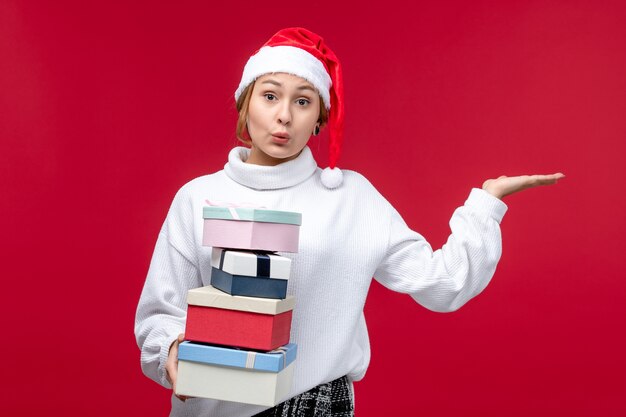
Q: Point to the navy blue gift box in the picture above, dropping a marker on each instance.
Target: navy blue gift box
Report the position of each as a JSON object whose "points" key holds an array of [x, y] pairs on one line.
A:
{"points": [[251, 274]]}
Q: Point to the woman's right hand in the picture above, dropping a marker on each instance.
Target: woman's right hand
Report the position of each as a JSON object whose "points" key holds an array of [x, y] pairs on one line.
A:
{"points": [[171, 366]]}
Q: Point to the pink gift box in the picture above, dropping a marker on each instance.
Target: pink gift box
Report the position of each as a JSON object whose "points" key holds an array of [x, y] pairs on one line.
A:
{"points": [[238, 234]]}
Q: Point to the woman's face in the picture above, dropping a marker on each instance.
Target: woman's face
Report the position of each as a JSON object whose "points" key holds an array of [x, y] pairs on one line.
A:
{"points": [[282, 114]]}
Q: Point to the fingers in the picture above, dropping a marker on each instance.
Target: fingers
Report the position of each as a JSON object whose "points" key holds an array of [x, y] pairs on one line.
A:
{"points": [[546, 179], [171, 366], [183, 398], [556, 176]]}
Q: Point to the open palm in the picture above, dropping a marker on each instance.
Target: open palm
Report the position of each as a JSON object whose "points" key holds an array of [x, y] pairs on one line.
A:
{"points": [[503, 186]]}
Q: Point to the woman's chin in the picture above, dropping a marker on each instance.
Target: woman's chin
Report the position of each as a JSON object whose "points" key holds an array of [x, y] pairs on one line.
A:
{"points": [[272, 155], [282, 151], [283, 156]]}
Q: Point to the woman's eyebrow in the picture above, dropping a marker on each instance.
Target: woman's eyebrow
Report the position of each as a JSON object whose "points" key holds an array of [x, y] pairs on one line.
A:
{"points": [[306, 87], [276, 83]]}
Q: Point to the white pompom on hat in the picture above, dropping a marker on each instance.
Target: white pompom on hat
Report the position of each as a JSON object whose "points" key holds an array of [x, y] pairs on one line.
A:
{"points": [[300, 52]]}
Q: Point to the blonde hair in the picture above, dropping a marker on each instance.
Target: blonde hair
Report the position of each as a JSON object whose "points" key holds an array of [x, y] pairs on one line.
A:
{"points": [[243, 104]]}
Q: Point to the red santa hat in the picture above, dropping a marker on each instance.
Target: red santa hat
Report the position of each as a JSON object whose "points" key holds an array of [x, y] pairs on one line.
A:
{"points": [[300, 52]]}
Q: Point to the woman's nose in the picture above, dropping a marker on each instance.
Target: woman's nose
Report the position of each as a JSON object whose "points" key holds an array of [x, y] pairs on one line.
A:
{"points": [[284, 113]]}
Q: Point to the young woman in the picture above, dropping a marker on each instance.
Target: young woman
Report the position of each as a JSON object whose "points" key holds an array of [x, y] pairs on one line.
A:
{"points": [[290, 89]]}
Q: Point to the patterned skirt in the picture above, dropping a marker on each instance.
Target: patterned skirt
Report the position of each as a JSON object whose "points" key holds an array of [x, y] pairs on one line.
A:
{"points": [[333, 399]]}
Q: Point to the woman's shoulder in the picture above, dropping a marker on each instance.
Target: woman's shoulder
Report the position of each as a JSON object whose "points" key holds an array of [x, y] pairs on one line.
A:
{"points": [[201, 183], [356, 180], [195, 190], [360, 188]]}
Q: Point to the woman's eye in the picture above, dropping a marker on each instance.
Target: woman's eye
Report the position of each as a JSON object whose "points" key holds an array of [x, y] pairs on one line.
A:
{"points": [[302, 101], [270, 96]]}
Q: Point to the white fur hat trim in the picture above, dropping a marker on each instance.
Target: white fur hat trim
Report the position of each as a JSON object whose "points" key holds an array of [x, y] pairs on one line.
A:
{"points": [[291, 60]]}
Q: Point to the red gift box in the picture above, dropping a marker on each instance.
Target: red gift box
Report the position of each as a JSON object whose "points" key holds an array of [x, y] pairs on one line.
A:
{"points": [[246, 322]]}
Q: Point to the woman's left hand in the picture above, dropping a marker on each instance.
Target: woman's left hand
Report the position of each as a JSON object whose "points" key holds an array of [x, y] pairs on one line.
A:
{"points": [[503, 186]]}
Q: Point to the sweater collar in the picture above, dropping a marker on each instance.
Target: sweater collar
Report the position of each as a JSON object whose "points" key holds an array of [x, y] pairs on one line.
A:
{"points": [[260, 177]]}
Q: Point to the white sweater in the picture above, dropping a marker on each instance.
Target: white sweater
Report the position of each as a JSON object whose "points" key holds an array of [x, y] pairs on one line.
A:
{"points": [[348, 235]]}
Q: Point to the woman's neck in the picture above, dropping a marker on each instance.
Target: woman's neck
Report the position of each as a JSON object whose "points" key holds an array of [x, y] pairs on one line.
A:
{"points": [[243, 169]]}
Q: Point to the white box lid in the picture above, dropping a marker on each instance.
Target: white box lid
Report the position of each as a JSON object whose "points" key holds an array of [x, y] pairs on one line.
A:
{"points": [[212, 297], [237, 262]]}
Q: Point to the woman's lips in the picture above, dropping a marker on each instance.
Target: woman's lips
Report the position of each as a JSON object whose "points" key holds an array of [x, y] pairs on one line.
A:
{"points": [[280, 138]]}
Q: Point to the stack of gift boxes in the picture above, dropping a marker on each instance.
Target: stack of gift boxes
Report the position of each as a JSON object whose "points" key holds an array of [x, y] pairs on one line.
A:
{"points": [[236, 344]]}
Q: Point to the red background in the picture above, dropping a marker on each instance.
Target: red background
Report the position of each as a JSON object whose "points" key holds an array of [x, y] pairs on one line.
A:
{"points": [[107, 108]]}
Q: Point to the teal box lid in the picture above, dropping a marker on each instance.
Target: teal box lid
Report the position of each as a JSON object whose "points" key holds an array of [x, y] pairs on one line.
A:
{"points": [[251, 215], [274, 361]]}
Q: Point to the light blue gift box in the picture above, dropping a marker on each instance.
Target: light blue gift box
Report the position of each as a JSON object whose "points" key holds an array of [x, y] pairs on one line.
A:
{"points": [[261, 378], [273, 361], [252, 215]]}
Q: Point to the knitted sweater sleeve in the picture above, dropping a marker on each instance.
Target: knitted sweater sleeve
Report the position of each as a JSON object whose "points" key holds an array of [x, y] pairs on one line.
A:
{"points": [[162, 307], [447, 278]]}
